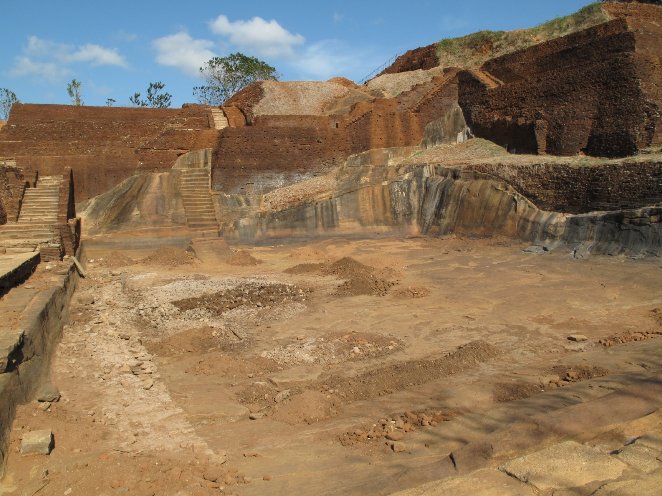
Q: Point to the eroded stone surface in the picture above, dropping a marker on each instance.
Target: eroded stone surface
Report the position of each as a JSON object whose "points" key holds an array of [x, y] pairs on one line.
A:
{"points": [[486, 482], [568, 464]]}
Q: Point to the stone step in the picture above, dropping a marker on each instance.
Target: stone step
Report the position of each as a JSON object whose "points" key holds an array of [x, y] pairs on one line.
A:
{"points": [[22, 243], [27, 234], [20, 249], [203, 225], [197, 197], [201, 215], [200, 184], [36, 219]]}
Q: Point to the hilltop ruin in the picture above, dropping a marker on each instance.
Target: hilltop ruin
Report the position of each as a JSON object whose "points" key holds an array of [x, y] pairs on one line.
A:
{"points": [[401, 280]]}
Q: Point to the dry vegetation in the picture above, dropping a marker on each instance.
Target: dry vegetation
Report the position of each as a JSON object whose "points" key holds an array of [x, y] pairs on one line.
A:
{"points": [[475, 49]]}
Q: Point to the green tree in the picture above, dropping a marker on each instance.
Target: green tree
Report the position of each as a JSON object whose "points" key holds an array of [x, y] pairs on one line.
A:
{"points": [[110, 102], [227, 75], [154, 99], [7, 100], [73, 88]]}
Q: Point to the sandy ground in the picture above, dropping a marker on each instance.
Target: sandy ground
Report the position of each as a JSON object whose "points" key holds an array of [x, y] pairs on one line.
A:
{"points": [[336, 367]]}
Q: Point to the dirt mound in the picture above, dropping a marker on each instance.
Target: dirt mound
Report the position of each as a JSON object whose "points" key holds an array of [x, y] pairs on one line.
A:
{"points": [[628, 337], [365, 285], [360, 279], [169, 257], [395, 427], [576, 373], [404, 375], [242, 258], [308, 407], [258, 295], [515, 391], [413, 292]]}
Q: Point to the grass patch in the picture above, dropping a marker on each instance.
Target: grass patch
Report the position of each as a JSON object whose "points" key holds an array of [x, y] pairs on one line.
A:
{"points": [[475, 49]]}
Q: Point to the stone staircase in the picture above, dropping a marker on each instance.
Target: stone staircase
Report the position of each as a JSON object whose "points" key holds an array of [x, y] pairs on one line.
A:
{"points": [[198, 205], [37, 218], [40, 204], [220, 120], [486, 78]]}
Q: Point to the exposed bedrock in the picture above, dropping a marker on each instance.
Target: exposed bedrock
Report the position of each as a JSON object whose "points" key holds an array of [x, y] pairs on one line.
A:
{"points": [[141, 201], [437, 200]]}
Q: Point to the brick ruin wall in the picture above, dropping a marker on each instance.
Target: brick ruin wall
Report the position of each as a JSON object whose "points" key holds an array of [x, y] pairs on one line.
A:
{"points": [[103, 145], [580, 93], [577, 189], [12, 185], [293, 145]]}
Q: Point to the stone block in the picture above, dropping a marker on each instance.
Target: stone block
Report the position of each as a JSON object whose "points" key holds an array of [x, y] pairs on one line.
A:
{"points": [[47, 392], [37, 442]]}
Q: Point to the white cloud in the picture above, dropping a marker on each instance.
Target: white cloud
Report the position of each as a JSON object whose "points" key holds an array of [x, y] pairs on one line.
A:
{"points": [[265, 38], [51, 72], [97, 55], [183, 52], [51, 60], [69, 54], [329, 58]]}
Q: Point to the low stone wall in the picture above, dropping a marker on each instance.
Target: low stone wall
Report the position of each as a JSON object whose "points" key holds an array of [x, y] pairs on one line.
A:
{"points": [[27, 347]]}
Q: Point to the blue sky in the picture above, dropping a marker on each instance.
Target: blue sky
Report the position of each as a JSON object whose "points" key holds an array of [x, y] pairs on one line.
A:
{"points": [[117, 48]]}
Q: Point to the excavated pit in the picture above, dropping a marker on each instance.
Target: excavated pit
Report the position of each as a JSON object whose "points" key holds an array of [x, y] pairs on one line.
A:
{"points": [[195, 373]]}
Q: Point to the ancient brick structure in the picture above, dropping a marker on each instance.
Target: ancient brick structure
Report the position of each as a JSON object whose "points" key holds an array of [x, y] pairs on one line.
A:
{"points": [[12, 184], [103, 145], [585, 92]]}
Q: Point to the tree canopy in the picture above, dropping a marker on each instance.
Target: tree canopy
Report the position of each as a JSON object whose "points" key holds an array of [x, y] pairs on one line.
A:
{"points": [[227, 75], [154, 99], [7, 100], [73, 88]]}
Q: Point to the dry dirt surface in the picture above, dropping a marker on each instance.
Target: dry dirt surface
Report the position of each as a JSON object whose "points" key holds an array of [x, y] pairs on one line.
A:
{"points": [[333, 367]]}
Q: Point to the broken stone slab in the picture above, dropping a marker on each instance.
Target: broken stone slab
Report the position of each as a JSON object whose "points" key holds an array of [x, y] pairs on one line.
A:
{"points": [[651, 440], [567, 464], [536, 249], [484, 482], [640, 457], [650, 484], [47, 393], [37, 442], [577, 338]]}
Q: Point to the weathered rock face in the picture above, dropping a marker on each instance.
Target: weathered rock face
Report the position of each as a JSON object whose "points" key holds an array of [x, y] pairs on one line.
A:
{"points": [[103, 145], [141, 201], [439, 200]]}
